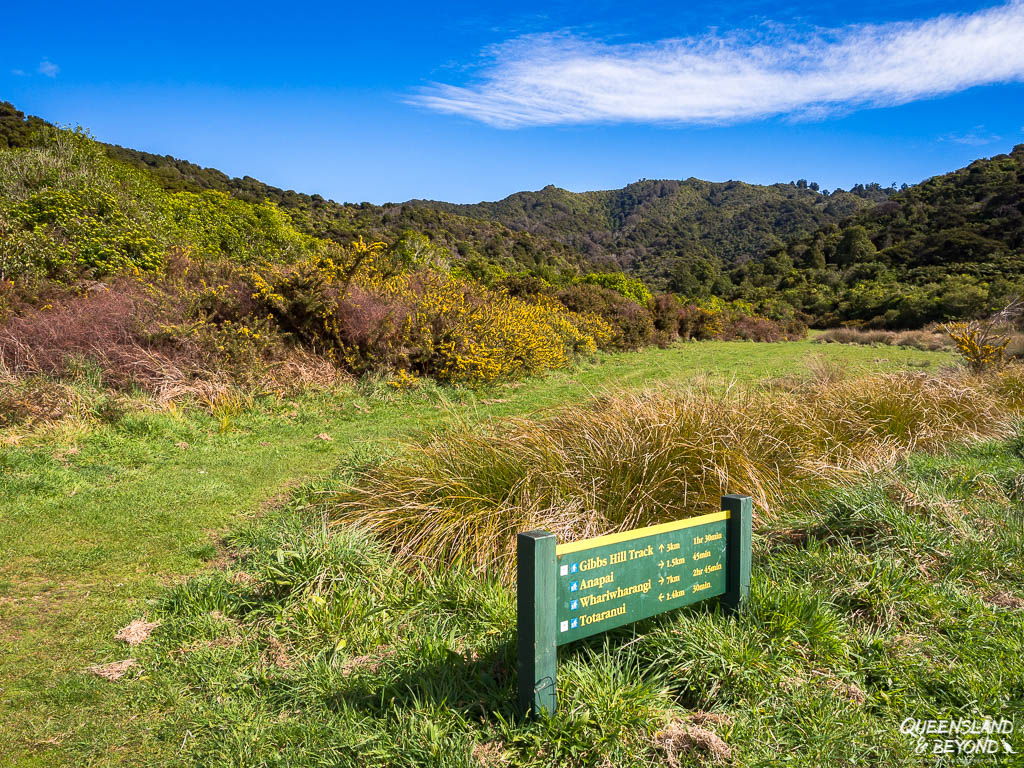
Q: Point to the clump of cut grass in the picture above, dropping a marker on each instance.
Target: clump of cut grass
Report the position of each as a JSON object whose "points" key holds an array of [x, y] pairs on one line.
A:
{"points": [[630, 460]]}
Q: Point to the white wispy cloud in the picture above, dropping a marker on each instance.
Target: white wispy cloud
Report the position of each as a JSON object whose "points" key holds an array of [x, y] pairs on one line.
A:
{"points": [[48, 68], [975, 137], [561, 78]]}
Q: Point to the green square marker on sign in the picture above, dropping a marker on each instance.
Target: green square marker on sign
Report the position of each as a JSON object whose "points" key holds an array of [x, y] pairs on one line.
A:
{"points": [[569, 591]]}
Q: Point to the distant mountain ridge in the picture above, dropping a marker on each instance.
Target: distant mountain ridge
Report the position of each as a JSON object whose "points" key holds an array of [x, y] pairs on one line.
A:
{"points": [[647, 226], [969, 221]]}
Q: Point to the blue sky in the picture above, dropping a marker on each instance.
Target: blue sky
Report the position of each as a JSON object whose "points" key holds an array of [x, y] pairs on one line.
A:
{"points": [[462, 102]]}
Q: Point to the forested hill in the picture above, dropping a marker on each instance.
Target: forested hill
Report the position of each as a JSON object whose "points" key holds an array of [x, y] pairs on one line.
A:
{"points": [[659, 230], [949, 247], [654, 228], [468, 240], [967, 222]]}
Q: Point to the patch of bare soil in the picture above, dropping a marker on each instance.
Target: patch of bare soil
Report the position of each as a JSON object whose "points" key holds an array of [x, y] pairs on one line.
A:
{"points": [[371, 662], [490, 753], [1005, 600], [277, 653]]}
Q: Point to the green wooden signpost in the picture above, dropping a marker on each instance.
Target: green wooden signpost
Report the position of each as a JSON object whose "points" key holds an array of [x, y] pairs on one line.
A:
{"points": [[573, 590]]}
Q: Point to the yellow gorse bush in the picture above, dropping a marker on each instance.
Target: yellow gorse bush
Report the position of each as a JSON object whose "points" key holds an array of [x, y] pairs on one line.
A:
{"points": [[979, 345], [361, 307], [479, 336], [462, 332]]}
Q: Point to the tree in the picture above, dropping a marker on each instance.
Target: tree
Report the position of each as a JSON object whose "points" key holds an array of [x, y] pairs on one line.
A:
{"points": [[855, 246]]}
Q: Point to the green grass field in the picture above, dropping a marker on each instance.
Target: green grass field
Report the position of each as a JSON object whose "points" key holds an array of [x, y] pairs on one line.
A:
{"points": [[99, 520]]}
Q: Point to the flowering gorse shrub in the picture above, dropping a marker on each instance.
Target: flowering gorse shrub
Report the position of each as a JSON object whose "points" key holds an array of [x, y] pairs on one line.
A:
{"points": [[355, 308], [462, 332], [981, 346]]}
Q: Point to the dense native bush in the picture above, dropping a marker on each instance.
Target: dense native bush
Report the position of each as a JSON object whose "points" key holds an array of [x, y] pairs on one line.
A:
{"points": [[630, 287], [524, 285], [713, 318], [215, 224]]}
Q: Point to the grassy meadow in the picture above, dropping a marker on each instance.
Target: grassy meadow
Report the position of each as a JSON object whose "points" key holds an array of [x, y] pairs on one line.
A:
{"points": [[289, 635]]}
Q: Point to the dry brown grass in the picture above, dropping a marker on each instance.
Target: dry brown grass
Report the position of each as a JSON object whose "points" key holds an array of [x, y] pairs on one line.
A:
{"points": [[679, 739], [931, 339], [115, 670], [138, 631], [636, 459]]}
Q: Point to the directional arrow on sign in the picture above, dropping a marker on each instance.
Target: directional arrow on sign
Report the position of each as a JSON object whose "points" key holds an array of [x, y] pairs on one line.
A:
{"points": [[661, 547], [661, 563], [661, 580], [660, 597]]}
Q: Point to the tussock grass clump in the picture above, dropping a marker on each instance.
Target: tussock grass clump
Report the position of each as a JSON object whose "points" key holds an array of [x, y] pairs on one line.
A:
{"points": [[625, 461], [930, 338]]}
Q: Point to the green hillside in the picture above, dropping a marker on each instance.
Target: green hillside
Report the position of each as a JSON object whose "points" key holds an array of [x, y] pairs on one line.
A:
{"points": [[659, 228], [950, 247], [466, 239], [970, 221], [656, 230]]}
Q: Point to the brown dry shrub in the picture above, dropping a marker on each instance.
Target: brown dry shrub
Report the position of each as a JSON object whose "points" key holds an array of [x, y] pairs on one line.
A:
{"points": [[371, 327], [180, 336], [102, 325], [753, 329], [632, 325]]}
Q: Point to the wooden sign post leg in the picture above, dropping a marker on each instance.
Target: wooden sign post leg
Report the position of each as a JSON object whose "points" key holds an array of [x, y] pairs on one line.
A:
{"points": [[739, 538], [535, 608]]}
